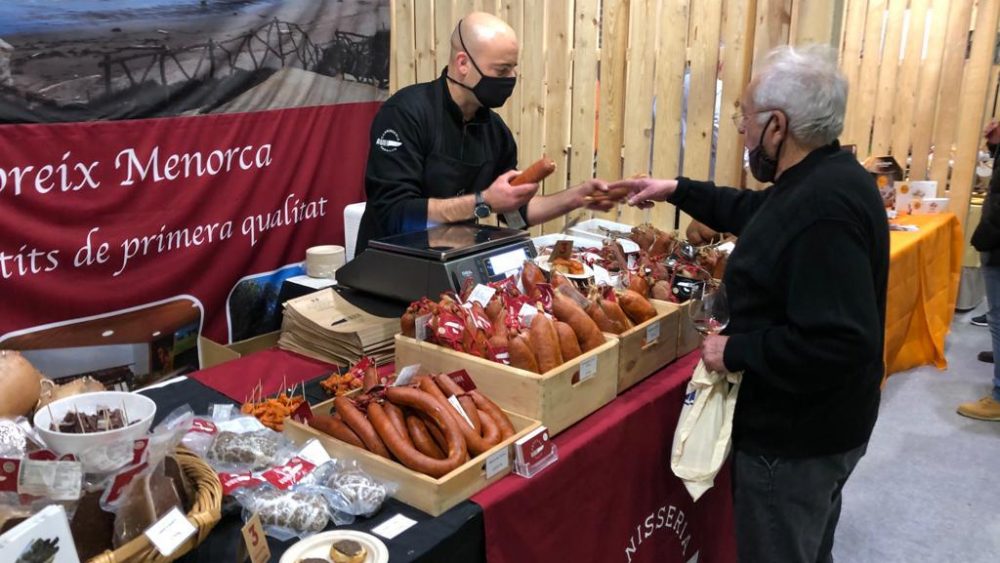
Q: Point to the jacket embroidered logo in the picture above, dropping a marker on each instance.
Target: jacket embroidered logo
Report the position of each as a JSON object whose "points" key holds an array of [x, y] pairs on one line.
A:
{"points": [[388, 140]]}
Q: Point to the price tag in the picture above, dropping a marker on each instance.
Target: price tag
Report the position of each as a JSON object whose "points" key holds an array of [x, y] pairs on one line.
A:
{"points": [[463, 379], [602, 276], [169, 532], [256, 541], [458, 406], [222, 412], [55, 480], [562, 249], [481, 294], [497, 463], [588, 368], [653, 332], [527, 314], [421, 326], [394, 526], [405, 375]]}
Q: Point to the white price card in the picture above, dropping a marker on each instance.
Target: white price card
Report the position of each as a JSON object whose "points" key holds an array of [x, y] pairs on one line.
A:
{"points": [[421, 326], [55, 480], [601, 276], [527, 314], [653, 332], [169, 532], [394, 526], [481, 294], [405, 375], [588, 368], [497, 462], [458, 406]]}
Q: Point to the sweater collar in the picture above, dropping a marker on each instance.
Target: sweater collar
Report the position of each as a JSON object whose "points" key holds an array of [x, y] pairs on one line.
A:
{"points": [[804, 166]]}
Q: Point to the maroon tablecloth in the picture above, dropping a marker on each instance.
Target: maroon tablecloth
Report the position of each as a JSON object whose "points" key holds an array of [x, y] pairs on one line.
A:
{"points": [[238, 378], [611, 496]]}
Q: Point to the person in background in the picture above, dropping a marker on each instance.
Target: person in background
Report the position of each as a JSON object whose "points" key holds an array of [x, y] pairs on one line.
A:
{"points": [[986, 239], [806, 284], [440, 154]]}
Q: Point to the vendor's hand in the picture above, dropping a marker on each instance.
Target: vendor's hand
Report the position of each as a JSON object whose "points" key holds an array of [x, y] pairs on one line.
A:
{"points": [[699, 234], [585, 192], [645, 191], [503, 197], [992, 133], [712, 349]]}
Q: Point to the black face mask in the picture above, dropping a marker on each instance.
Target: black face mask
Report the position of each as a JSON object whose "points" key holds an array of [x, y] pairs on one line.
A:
{"points": [[491, 91], [763, 167]]}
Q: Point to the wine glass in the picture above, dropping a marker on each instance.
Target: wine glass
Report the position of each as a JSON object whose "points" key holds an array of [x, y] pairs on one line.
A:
{"points": [[709, 310]]}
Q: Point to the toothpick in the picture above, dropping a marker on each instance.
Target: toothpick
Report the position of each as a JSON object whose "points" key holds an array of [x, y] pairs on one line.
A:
{"points": [[78, 421], [124, 414], [52, 417]]}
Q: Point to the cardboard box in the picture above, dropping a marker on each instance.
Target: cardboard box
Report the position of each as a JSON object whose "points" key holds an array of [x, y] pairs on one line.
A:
{"points": [[558, 398], [433, 496], [211, 353]]}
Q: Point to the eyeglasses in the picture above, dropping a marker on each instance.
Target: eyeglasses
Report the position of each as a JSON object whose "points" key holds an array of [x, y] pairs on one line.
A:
{"points": [[739, 118]]}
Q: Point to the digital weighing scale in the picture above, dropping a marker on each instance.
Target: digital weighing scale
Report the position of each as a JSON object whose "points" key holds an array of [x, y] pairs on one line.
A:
{"points": [[409, 266]]}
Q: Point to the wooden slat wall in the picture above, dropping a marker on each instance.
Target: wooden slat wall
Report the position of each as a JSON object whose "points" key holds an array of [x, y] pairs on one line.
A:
{"points": [[928, 108], [591, 69]]}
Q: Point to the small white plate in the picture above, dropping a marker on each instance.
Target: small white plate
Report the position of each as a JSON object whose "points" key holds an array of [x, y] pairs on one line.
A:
{"points": [[543, 263], [319, 546]]}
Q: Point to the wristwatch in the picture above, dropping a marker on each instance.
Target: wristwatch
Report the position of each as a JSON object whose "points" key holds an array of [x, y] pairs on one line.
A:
{"points": [[482, 209]]}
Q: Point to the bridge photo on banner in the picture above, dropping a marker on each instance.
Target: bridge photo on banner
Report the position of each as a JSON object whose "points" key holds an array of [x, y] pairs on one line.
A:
{"points": [[165, 164]]}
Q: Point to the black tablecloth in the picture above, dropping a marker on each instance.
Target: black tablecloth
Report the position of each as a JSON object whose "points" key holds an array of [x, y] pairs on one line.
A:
{"points": [[456, 535]]}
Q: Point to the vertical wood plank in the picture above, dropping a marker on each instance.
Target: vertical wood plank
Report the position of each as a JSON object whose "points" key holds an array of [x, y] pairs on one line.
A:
{"points": [[671, 60], [927, 93], [531, 144], [813, 21], [887, 71], [406, 68], [953, 62], [855, 12], [738, 36], [864, 108], [638, 131], [559, 38], [973, 106], [770, 31], [908, 81], [444, 25], [584, 104], [393, 58], [423, 37], [511, 12], [611, 102]]}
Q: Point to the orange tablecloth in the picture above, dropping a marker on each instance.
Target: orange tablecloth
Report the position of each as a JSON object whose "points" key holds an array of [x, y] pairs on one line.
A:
{"points": [[924, 272]]}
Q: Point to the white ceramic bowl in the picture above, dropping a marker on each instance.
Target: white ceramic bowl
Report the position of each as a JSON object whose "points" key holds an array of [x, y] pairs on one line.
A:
{"points": [[98, 451]]}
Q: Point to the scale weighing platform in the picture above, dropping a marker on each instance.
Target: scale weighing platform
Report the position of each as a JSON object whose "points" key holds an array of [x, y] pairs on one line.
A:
{"points": [[409, 266]]}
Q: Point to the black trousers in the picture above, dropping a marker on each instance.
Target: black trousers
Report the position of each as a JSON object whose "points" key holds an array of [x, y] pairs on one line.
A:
{"points": [[786, 509]]}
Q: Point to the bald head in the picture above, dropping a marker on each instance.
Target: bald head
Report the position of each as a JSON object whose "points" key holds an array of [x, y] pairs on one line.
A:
{"points": [[489, 40]]}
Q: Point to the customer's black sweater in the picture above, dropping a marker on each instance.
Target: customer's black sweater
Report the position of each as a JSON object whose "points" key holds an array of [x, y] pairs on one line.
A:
{"points": [[807, 288]]}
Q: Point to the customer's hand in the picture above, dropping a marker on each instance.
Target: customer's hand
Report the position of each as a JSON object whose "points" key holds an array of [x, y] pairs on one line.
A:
{"points": [[645, 191], [593, 194], [712, 350], [503, 197], [992, 132]]}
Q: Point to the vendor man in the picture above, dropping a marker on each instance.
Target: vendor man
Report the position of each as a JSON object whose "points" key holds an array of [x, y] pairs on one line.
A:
{"points": [[440, 154]]}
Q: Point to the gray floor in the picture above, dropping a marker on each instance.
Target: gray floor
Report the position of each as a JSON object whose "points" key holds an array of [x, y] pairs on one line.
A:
{"points": [[929, 487]]}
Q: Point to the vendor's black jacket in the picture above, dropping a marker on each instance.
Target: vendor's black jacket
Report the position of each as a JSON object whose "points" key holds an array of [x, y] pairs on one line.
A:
{"points": [[807, 290], [422, 148], [986, 237]]}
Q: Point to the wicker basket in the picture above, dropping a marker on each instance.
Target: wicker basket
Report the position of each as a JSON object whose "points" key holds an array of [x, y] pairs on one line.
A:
{"points": [[205, 514]]}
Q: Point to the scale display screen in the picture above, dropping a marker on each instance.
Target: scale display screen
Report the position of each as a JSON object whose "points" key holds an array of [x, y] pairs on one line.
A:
{"points": [[500, 264]]}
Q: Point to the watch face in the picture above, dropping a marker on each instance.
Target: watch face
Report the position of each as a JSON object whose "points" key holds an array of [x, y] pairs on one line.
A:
{"points": [[482, 211]]}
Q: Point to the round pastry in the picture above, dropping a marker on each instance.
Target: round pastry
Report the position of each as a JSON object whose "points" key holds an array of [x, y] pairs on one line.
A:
{"points": [[348, 551], [314, 560]]}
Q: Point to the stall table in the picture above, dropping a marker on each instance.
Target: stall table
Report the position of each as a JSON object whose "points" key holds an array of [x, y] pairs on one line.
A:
{"points": [[612, 485], [924, 271]]}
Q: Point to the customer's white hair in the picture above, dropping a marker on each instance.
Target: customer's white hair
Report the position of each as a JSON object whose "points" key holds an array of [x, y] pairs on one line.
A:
{"points": [[806, 84]]}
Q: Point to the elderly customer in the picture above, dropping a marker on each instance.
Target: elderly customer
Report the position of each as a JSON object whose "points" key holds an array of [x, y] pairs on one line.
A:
{"points": [[807, 291]]}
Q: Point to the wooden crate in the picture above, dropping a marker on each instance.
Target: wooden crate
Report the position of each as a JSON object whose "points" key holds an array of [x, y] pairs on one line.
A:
{"points": [[638, 358], [433, 496], [688, 338], [557, 397]]}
